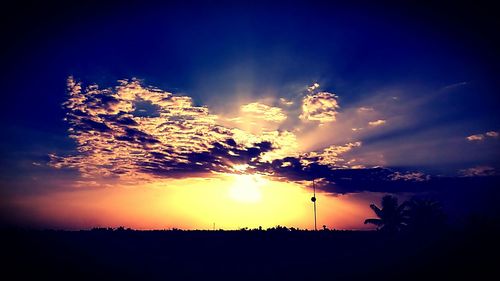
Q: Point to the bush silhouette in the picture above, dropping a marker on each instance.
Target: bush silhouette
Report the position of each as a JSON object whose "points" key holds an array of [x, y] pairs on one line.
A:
{"points": [[424, 215]]}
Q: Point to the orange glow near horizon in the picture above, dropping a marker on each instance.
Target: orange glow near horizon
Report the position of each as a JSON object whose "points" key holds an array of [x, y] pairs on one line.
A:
{"points": [[230, 201]]}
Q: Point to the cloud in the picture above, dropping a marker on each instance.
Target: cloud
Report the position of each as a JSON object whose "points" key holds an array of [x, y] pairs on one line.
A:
{"points": [[365, 109], [349, 180], [265, 112], [330, 156], [180, 138], [414, 134], [313, 87], [320, 107], [492, 134], [480, 171], [136, 133], [286, 101], [456, 85], [480, 137], [377, 123], [409, 176]]}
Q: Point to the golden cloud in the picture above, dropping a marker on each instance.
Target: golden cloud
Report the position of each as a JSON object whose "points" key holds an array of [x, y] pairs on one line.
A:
{"points": [[115, 137], [263, 111], [320, 107], [377, 123], [331, 156]]}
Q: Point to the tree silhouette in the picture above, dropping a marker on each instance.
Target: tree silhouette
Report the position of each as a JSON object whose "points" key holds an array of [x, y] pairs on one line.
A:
{"points": [[391, 217], [425, 215]]}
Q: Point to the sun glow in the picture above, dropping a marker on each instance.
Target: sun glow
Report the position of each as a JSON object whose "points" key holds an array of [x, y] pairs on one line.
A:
{"points": [[230, 201], [247, 188]]}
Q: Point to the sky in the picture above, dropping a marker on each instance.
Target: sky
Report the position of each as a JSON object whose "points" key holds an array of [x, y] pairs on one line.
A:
{"points": [[198, 115]]}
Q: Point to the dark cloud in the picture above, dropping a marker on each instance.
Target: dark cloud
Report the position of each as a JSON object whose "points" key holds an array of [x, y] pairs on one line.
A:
{"points": [[91, 125], [345, 180]]}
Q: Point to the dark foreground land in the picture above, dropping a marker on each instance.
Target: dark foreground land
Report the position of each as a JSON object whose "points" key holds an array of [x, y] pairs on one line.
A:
{"points": [[248, 255]]}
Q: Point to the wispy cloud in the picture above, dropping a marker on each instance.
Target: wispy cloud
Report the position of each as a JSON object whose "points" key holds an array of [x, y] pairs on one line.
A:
{"points": [[492, 134], [286, 101], [480, 137], [410, 176], [478, 171], [365, 109], [377, 123], [263, 111], [455, 85]]}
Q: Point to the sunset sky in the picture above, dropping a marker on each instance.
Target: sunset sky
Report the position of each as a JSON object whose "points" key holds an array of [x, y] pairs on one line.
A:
{"points": [[200, 115]]}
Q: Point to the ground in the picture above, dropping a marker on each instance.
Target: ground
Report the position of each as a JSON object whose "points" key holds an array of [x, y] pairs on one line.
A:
{"points": [[245, 255]]}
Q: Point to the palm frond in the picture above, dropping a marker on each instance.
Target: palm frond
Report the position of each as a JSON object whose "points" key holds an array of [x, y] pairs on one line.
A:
{"points": [[377, 210], [377, 222]]}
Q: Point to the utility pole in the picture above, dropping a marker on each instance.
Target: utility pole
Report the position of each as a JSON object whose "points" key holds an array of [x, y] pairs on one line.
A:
{"points": [[313, 199]]}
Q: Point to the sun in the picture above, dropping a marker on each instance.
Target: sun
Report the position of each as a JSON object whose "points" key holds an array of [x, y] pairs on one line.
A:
{"points": [[247, 188]]}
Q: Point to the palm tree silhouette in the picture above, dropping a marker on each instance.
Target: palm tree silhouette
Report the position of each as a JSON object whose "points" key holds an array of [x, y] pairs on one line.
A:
{"points": [[391, 217], [425, 215]]}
